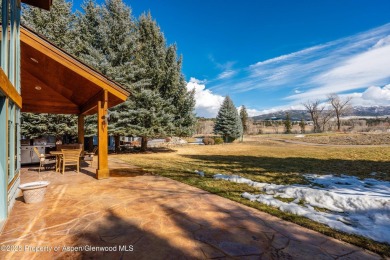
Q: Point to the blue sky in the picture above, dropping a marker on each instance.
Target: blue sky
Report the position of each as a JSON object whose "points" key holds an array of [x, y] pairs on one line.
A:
{"points": [[271, 55]]}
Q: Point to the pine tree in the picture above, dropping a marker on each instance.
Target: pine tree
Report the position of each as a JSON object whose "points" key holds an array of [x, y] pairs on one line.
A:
{"points": [[56, 25], [35, 125], [228, 123], [302, 126], [130, 52], [157, 79], [244, 120], [151, 54], [287, 124], [89, 36], [146, 115]]}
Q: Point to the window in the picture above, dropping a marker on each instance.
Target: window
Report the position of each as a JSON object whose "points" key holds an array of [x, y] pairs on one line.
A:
{"points": [[10, 64], [11, 152]]}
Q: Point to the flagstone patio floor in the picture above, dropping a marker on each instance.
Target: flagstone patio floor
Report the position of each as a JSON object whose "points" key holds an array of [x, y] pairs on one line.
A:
{"points": [[136, 215]]}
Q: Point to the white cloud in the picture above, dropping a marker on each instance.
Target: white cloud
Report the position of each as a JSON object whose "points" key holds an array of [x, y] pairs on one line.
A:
{"points": [[382, 42], [342, 66], [251, 111], [377, 94], [356, 72], [226, 74], [371, 96], [207, 103]]}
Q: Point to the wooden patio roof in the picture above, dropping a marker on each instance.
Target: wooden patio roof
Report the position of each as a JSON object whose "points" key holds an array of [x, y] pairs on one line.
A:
{"points": [[44, 4], [53, 81]]}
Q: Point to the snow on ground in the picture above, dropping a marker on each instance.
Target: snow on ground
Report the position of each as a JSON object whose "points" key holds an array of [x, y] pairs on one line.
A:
{"points": [[200, 173], [352, 205]]}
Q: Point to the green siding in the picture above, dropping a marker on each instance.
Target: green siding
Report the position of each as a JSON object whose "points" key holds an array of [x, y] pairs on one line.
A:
{"points": [[9, 112], [3, 158]]}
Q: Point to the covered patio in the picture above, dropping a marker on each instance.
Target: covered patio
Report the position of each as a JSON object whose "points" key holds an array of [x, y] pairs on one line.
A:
{"points": [[55, 82]]}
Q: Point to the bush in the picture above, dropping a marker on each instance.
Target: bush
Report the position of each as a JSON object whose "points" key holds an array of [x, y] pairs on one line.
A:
{"points": [[208, 141], [218, 140]]}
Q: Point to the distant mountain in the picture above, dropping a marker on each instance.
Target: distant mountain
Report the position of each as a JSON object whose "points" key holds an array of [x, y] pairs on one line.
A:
{"points": [[372, 111], [297, 115]]}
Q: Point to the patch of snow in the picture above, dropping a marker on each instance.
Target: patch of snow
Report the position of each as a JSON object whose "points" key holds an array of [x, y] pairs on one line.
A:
{"points": [[354, 206], [300, 136], [200, 173]]}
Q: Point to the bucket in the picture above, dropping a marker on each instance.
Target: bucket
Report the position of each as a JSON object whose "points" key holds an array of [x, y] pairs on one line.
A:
{"points": [[34, 192]]}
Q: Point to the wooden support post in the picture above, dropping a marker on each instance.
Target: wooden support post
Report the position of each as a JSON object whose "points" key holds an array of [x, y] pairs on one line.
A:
{"points": [[102, 171], [80, 130]]}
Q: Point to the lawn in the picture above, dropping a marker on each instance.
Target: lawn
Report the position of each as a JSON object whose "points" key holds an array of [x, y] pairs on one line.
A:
{"points": [[269, 161], [336, 138]]}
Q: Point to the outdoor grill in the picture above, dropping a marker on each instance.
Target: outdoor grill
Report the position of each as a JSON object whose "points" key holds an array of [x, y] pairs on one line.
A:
{"points": [[27, 149]]}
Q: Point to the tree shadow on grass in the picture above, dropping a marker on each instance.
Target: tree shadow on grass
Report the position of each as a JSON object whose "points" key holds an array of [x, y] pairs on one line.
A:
{"points": [[260, 165]]}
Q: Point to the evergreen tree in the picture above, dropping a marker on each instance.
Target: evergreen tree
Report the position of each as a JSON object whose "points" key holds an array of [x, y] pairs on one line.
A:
{"points": [[90, 125], [302, 126], [228, 123], [151, 54], [287, 124], [56, 25], [119, 41], [35, 125], [157, 79], [244, 120], [89, 36], [132, 53], [146, 115]]}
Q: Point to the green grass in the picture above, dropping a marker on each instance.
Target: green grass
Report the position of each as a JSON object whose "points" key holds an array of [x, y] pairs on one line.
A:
{"points": [[269, 162]]}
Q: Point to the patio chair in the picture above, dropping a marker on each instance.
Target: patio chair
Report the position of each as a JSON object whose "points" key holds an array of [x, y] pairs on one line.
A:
{"points": [[71, 157], [88, 157], [46, 161]]}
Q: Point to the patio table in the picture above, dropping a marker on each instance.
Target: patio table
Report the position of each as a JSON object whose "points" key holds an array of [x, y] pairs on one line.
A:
{"points": [[58, 155]]}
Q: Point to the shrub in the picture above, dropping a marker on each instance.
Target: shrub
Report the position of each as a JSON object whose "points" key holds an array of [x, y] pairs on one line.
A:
{"points": [[218, 140], [208, 141]]}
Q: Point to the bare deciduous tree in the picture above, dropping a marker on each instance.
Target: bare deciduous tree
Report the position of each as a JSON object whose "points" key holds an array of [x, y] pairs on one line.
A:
{"points": [[325, 116], [340, 107], [315, 112]]}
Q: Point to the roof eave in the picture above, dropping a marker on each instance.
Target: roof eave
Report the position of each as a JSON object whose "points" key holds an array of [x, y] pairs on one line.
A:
{"points": [[43, 4]]}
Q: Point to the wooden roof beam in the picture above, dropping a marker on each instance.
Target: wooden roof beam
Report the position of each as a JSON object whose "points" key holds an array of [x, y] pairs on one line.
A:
{"points": [[91, 104]]}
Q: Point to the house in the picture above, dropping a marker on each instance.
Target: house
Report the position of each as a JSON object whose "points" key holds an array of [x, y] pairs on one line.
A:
{"points": [[36, 76]]}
